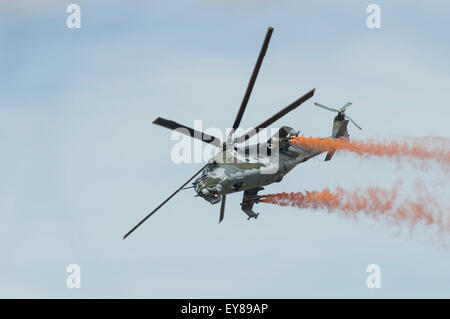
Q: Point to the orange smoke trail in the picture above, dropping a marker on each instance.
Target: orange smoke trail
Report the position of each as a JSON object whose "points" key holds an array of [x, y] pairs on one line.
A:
{"points": [[436, 149], [374, 202]]}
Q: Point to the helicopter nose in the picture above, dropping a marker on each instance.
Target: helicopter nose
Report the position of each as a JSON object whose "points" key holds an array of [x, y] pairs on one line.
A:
{"points": [[199, 186]]}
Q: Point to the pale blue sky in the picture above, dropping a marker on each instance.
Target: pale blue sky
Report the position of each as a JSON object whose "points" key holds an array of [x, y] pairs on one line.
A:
{"points": [[82, 163]]}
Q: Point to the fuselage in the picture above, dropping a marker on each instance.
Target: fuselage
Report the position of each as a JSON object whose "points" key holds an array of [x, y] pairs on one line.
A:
{"points": [[237, 170]]}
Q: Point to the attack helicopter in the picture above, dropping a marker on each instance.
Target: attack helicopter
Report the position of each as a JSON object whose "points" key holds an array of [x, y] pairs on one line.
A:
{"points": [[248, 169]]}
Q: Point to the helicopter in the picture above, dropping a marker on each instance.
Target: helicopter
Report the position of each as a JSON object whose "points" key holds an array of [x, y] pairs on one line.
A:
{"points": [[248, 169]]}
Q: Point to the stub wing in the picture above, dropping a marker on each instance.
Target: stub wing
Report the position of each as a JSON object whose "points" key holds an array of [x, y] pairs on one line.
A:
{"points": [[250, 198]]}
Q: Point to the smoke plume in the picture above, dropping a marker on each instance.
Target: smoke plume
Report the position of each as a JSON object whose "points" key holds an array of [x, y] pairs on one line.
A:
{"points": [[419, 207], [422, 149]]}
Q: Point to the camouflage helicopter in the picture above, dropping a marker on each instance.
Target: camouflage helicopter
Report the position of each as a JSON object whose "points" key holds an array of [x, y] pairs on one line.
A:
{"points": [[248, 169]]}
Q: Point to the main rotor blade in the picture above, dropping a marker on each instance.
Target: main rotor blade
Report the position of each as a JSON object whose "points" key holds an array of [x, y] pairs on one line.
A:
{"points": [[326, 107], [251, 83], [276, 117], [222, 208], [160, 205], [171, 125]]}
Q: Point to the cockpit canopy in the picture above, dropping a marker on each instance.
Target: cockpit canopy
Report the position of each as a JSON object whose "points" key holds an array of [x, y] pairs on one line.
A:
{"points": [[209, 168]]}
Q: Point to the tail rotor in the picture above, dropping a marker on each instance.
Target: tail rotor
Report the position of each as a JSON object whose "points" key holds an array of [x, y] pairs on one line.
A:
{"points": [[340, 111]]}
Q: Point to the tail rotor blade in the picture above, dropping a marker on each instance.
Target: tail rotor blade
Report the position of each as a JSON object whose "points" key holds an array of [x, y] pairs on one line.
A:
{"points": [[222, 208], [326, 107], [345, 106], [348, 117]]}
